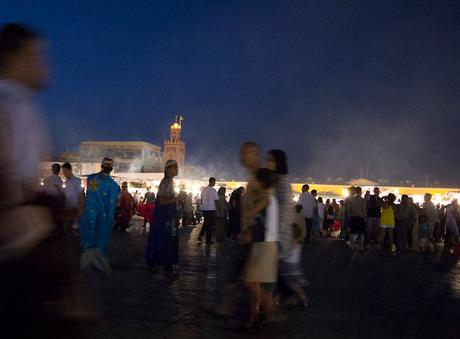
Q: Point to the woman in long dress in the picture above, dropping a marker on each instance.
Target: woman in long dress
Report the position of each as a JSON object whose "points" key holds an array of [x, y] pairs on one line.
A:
{"points": [[163, 243]]}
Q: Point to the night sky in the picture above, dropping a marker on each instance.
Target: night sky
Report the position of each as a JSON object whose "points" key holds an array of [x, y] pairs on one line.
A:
{"points": [[343, 87]]}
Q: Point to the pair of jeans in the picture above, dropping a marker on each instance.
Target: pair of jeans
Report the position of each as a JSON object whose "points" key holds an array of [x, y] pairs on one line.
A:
{"points": [[208, 223]]}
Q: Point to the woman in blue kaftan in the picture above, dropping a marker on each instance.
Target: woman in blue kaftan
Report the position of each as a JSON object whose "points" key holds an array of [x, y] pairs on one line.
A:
{"points": [[97, 220], [163, 243]]}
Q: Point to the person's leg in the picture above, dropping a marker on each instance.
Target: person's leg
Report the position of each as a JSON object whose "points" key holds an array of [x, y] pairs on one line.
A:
{"points": [[390, 237], [361, 231], [301, 294], [266, 301], [368, 235], [254, 292], [352, 240], [211, 222], [383, 231], [309, 225], [205, 225]]}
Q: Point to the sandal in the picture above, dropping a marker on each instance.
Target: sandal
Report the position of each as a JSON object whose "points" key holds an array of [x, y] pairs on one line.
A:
{"points": [[249, 327]]}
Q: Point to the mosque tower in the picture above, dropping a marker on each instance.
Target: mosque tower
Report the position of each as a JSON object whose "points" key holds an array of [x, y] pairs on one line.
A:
{"points": [[175, 148]]}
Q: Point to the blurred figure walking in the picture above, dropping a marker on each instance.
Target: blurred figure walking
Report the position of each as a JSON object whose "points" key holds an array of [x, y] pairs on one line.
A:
{"points": [[38, 297]]}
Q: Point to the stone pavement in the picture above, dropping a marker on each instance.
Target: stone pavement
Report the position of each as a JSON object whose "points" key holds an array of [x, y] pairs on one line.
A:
{"points": [[352, 294]]}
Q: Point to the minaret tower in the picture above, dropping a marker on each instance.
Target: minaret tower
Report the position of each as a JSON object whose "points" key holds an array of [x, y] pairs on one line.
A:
{"points": [[175, 148]]}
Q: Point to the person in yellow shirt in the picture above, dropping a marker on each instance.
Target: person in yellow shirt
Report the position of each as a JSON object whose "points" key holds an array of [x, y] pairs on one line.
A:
{"points": [[387, 220]]}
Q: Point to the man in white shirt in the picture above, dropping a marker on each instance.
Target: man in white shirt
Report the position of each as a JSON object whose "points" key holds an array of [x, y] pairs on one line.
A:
{"points": [[308, 203], [52, 185], [209, 204], [74, 197]]}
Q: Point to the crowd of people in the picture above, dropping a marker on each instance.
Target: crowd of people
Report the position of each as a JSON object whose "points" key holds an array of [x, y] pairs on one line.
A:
{"points": [[374, 221]]}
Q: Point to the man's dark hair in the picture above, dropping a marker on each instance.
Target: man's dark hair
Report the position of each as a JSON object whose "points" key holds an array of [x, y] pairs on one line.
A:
{"points": [[12, 38], [212, 179], [280, 160], [307, 187], [67, 166], [55, 168]]}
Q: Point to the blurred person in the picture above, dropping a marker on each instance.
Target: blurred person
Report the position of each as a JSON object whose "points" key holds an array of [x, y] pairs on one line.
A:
{"points": [[412, 216], [199, 210], [39, 295], [341, 220], [374, 204], [98, 216], [238, 251], [163, 243], [387, 221], [234, 207], [290, 268], [329, 218], [429, 209], [53, 185], [260, 271], [351, 194], [336, 209], [187, 218], [357, 211], [54, 196], [135, 202], [277, 162], [402, 223], [221, 215], [423, 232], [210, 204], [308, 203], [452, 216], [74, 198], [321, 209], [442, 222], [290, 237], [124, 208], [147, 208], [316, 228]]}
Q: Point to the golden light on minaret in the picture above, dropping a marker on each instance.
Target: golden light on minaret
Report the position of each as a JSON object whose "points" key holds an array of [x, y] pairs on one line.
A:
{"points": [[174, 148]]}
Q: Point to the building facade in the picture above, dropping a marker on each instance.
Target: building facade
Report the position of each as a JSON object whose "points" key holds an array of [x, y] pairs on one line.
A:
{"points": [[129, 156]]}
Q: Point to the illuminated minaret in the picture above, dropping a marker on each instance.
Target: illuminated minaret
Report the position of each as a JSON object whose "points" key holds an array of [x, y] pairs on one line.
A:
{"points": [[175, 148]]}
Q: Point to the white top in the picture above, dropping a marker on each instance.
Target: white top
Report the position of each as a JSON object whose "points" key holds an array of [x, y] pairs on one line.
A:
{"points": [[26, 135], [308, 203], [321, 210], [272, 220], [72, 192], [208, 196], [52, 185], [430, 210]]}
